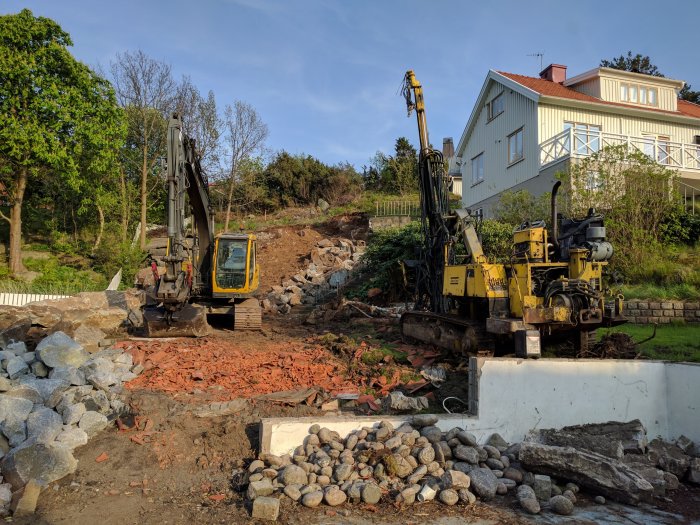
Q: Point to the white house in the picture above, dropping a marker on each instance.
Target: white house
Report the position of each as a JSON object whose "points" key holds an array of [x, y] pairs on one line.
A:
{"points": [[523, 130]]}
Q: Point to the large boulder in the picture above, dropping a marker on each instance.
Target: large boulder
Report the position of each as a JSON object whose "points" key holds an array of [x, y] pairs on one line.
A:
{"points": [[631, 435], [600, 474], [59, 349], [42, 462]]}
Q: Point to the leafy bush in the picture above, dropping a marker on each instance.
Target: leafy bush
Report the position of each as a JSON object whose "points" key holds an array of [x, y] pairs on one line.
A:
{"points": [[496, 239], [680, 227], [386, 249], [517, 207]]}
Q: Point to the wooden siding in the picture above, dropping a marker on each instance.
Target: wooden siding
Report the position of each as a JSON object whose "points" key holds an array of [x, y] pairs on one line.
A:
{"points": [[552, 118], [491, 138], [589, 87], [610, 91]]}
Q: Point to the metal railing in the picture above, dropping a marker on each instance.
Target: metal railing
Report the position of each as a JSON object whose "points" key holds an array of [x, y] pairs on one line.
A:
{"points": [[579, 143], [22, 299], [690, 196], [397, 208]]}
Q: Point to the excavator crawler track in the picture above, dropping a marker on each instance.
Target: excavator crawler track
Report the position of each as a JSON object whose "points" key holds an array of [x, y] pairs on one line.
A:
{"points": [[455, 334], [247, 315]]}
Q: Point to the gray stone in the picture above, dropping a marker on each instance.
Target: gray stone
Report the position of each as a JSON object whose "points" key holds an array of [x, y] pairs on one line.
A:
{"points": [[60, 350], [13, 414], [46, 387], [73, 413], [39, 461], [424, 420], [323, 480], [492, 452], [463, 467], [69, 374], [72, 437], [448, 497], [334, 496], [466, 496], [17, 347], [669, 458], [600, 500], [342, 472], [266, 508], [256, 466], [371, 493], [292, 492], [16, 367], [25, 392], [43, 425], [259, 488], [694, 471], [92, 422], [530, 505], [514, 474], [542, 487], [561, 505], [432, 433], [495, 464], [467, 438], [417, 475], [501, 488], [465, 453], [495, 440], [598, 473], [573, 487], [293, 475], [569, 495], [29, 357], [525, 492], [312, 499], [454, 479], [39, 369], [483, 483], [5, 494], [686, 445]]}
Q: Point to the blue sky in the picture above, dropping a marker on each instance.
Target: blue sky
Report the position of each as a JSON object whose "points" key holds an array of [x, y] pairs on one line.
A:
{"points": [[324, 74]]}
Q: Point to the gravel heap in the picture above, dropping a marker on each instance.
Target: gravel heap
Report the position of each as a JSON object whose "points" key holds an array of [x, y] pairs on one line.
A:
{"points": [[414, 463]]}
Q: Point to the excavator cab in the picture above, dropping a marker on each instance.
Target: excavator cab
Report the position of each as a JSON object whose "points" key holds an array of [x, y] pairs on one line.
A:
{"points": [[235, 273]]}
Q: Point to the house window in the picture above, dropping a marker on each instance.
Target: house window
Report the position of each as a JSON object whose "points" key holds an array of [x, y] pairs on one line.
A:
{"points": [[495, 107], [515, 146], [657, 148], [638, 94], [478, 169], [478, 214], [586, 138]]}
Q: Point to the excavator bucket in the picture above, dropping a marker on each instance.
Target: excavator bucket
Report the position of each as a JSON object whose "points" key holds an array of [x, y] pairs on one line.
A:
{"points": [[190, 321]]}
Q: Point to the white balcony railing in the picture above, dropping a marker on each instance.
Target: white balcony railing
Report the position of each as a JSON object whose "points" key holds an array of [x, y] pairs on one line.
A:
{"points": [[577, 143]]}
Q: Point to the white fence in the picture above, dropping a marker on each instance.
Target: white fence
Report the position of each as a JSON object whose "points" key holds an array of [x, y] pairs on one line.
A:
{"points": [[20, 299]]}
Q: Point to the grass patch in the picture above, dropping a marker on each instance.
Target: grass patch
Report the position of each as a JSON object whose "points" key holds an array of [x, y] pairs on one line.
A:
{"points": [[54, 279], [377, 354], [651, 291], [673, 342]]}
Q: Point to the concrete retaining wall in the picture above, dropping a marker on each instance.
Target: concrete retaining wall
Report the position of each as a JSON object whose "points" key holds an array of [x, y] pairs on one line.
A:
{"points": [[514, 396], [662, 312]]}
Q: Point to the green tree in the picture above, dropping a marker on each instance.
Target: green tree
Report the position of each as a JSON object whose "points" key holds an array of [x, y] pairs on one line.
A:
{"points": [[517, 207], [633, 191], [397, 173], [58, 119], [642, 64]]}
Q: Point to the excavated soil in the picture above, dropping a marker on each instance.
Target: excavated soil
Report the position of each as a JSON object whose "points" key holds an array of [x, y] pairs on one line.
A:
{"points": [[164, 465]]}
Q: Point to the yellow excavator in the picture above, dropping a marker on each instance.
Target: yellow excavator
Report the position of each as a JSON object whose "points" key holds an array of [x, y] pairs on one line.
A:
{"points": [[552, 286], [204, 273]]}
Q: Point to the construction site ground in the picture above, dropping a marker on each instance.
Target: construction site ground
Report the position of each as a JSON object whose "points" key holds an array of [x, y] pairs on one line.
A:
{"points": [[167, 465]]}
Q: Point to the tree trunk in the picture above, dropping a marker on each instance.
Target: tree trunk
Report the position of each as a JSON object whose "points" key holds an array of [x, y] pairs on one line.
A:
{"points": [[16, 266], [124, 205], [228, 203], [144, 194], [101, 230]]}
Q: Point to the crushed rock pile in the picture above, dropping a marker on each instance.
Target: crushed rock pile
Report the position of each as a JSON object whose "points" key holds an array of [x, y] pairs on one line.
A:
{"points": [[53, 400], [417, 462], [328, 267]]}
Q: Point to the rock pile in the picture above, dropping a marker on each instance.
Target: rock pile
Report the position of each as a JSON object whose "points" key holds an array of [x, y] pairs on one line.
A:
{"points": [[417, 462], [53, 399], [88, 317], [327, 267]]}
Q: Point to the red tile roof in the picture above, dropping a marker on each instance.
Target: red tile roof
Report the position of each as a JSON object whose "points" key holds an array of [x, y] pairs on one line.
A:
{"points": [[554, 89]]}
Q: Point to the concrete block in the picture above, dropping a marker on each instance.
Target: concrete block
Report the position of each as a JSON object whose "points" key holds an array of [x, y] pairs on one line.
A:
{"points": [[658, 312], [664, 320], [667, 305], [655, 306], [678, 305], [643, 305], [632, 305], [266, 508], [669, 313], [641, 320], [692, 306]]}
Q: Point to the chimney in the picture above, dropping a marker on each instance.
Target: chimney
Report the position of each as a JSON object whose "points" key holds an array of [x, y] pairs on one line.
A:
{"points": [[448, 148], [554, 73]]}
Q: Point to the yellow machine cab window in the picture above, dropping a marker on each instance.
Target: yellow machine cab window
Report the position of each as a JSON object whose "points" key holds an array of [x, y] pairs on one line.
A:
{"points": [[231, 260]]}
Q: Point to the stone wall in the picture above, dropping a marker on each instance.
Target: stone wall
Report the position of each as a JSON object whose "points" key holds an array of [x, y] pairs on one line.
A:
{"points": [[662, 312], [390, 221]]}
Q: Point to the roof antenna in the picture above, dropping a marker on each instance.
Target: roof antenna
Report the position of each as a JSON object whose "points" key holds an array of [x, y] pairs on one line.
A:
{"points": [[540, 54]]}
